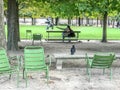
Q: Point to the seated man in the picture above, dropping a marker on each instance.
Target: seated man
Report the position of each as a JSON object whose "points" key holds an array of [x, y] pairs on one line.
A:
{"points": [[68, 32]]}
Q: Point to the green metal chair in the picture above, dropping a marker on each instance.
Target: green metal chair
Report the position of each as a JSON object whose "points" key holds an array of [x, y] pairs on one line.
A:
{"points": [[34, 60], [5, 65], [100, 61], [28, 34], [37, 36]]}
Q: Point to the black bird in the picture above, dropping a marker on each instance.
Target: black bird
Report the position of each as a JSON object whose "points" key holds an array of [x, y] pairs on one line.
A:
{"points": [[72, 49]]}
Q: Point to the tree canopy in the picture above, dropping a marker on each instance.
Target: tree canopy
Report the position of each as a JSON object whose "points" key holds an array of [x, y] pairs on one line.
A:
{"points": [[61, 8]]}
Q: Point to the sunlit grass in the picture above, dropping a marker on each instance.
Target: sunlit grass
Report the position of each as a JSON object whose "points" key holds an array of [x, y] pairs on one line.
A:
{"points": [[90, 32]]}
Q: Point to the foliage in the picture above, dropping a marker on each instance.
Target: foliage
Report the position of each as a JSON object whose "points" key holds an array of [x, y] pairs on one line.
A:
{"points": [[67, 8]]}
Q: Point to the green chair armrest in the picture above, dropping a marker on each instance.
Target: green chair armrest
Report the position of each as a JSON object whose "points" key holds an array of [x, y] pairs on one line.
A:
{"points": [[88, 60]]}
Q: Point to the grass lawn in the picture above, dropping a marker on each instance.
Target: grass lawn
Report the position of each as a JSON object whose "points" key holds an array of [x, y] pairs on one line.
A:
{"points": [[87, 32]]}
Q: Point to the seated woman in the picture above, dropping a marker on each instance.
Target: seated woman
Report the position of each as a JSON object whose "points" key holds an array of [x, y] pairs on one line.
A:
{"points": [[68, 32]]}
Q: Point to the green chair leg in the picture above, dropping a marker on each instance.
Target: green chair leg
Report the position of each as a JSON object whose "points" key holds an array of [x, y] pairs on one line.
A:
{"points": [[26, 78], [87, 70], [103, 71], [89, 73], [17, 79], [10, 76], [110, 73], [47, 74]]}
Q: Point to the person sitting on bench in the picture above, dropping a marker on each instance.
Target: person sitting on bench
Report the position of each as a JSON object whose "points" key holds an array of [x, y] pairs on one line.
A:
{"points": [[68, 32]]}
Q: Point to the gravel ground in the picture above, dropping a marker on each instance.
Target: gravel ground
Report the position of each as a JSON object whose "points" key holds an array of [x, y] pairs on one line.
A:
{"points": [[73, 75]]}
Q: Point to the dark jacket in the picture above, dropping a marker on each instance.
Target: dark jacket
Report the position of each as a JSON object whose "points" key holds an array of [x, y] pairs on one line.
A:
{"points": [[71, 34], [68, 32]]}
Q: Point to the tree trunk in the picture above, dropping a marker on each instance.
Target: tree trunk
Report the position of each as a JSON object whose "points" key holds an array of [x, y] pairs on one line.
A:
{"points": [[24, 19], [56, 21], [113, 24], [101, 22], [97, 21], [92, 22], [33, 21], [79, 21], [17, 21], [69, 21], [108, 22], [12, 39], [76, 21], [2, 31], [87, 21], [104, 37]]}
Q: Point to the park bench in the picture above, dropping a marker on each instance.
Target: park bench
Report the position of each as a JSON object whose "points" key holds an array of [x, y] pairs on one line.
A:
{"points": [[59, 33], [63, 57]]}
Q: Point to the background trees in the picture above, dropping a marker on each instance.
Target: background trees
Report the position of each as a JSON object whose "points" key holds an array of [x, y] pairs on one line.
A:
{"points": [[69, 9], [104, 8]]}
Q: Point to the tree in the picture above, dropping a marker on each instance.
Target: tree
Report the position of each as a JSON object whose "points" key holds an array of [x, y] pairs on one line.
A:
{"points": [[87, 8], [12, 36], [2, 31], [57, 8], [104, 8]]}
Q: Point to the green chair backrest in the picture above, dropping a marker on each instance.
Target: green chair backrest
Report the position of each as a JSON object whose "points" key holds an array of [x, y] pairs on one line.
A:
{"points": [[102, 61], [4, 62], [28, 31], [37, 36], [34, 57]]}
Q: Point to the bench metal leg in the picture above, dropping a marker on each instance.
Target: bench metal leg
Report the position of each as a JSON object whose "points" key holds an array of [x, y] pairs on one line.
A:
{"points": [[58, 64]]}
